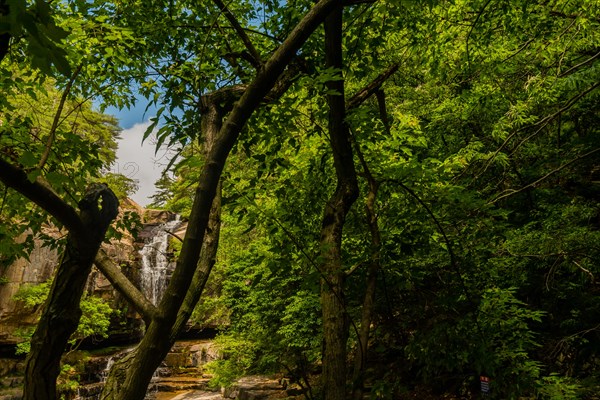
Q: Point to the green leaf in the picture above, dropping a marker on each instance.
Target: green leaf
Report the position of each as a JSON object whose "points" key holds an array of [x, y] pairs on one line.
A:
{"points": [[28, 159]]}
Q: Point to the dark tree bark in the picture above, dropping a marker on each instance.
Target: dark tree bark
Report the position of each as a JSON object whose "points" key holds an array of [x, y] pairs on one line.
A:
{"points": [[335, 319], [211, 122], [61, 313], [4, 37], [124, 286], [371, 286]]}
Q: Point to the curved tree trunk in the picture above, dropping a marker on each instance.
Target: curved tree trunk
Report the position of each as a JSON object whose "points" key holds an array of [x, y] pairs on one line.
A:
{"points": [[129, 377], [335, 320], [127, 372], [61, 313], [211, 122]]}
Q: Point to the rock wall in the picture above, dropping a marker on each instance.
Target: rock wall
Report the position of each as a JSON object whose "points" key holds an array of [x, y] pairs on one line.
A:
{"points": [[39, 268]]}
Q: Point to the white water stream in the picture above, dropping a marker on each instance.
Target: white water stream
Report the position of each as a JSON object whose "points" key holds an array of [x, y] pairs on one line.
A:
{"points": [[155, 261]]}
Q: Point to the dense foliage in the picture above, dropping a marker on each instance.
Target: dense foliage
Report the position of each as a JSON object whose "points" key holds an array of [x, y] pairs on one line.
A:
{"points": [[474, 242], [487, 163], [95, 320]]}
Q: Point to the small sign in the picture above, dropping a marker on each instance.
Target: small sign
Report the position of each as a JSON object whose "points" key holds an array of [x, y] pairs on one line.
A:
{"points": [[485, 384]]}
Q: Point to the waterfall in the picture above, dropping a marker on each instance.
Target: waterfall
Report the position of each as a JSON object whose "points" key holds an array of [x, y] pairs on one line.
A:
{"points": [[92, 390], [104, 373], [155, 261]]}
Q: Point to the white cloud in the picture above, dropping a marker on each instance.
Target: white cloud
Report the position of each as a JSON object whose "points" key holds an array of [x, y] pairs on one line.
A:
{"points": [[138, 161]]}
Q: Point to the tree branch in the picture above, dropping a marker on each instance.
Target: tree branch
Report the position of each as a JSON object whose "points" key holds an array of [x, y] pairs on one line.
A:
{"points": [[556, 13], [581, 64], [511, 192], [56, 120], [174, 235], [380, 94], [362, 95], [479, 14], [4, 37], [256, 59], [266, 78], [354, 268], [124, 286], [42, 194], [558, 113], [541, 123]]}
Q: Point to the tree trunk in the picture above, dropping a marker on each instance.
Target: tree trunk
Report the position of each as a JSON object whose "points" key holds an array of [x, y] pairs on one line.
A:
{"points": [[368, 305], [335, 320], [211, 122], [371, 284], [208, 258], [62, 312], [4, 37]]}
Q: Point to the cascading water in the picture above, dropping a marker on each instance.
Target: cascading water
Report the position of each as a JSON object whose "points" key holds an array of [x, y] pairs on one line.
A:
{"points": [[104, 373], [155, 261]]}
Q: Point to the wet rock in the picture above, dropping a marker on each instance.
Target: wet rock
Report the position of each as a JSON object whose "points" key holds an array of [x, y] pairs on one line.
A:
{"points": [[255, 388], [180, 383], [12, 394], [9, 366], [90, 391], [191, 354], [157, 217]]}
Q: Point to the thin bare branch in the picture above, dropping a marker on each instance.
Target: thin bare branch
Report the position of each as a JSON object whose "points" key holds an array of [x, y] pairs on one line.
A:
{"points": [[479, 14], [587, 271], [257, 61], [511, 192], [581, 64], [174, 235], [55, 122], [371, 88], [541, 123], [354, 268], [558, 113]]}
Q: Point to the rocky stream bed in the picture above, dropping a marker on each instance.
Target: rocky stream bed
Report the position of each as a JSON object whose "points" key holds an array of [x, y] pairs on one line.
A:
{"points": [[181, 376]]}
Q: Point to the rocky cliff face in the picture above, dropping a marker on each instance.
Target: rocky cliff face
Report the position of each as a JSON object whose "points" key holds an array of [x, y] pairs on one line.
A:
{"points": [[39, 268], [43, 262]]}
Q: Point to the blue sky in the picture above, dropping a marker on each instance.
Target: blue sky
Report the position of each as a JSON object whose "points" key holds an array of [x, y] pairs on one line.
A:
{"points": [[129, 117]]}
